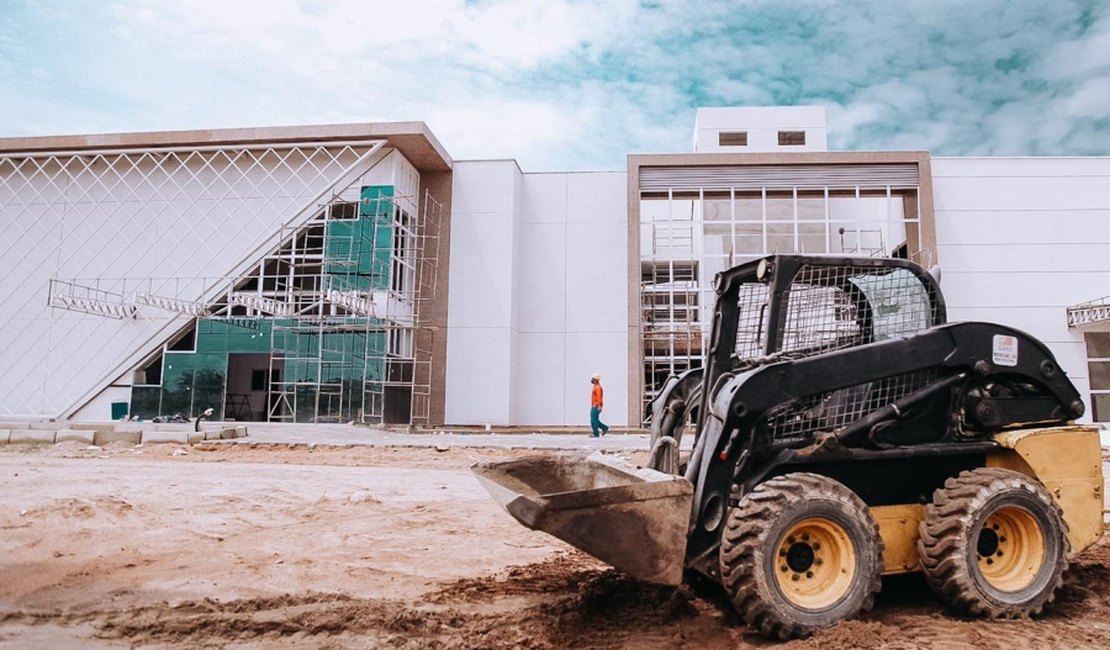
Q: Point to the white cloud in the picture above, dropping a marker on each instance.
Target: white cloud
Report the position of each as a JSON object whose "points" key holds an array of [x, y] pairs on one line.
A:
{"points": [[1082, 57], [308, 37], [1090, 99], [503, 128], [567, 83], [843, 121]]}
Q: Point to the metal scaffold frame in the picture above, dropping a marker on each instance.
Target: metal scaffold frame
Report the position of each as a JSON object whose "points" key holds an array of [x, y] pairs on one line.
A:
{"points": [[352, 339], [688, 235]]}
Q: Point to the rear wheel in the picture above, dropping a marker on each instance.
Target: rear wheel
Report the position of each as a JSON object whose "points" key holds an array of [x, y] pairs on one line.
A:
{"points": [[799, 553], [994, 543]]}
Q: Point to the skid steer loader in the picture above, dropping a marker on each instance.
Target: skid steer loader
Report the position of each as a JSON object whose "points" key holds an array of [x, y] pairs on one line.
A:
{"points": [[843, 431]]}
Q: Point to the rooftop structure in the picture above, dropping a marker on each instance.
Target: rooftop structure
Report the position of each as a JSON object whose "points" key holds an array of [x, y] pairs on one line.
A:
{"points": [[760, 129]]}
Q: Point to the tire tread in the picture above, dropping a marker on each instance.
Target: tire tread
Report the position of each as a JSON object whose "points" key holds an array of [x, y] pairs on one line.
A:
{"points": [[744, 534], [943, 546]]}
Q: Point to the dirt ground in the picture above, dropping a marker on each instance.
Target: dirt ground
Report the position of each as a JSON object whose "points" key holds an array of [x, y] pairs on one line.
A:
{"points": [[273, 547]]}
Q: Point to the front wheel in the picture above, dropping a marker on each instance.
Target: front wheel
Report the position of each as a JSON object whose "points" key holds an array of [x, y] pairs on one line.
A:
{"points": [[994, 543], [798, 553]]}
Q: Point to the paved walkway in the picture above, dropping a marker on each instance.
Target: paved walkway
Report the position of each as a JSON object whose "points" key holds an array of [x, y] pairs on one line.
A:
{"points": [[345, 434]]}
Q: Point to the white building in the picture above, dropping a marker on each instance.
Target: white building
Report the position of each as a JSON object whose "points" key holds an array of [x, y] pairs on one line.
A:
{"points": [[358, 272]]}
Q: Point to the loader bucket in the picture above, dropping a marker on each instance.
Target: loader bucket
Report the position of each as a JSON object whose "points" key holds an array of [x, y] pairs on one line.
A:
{"points": [[633, 519]]}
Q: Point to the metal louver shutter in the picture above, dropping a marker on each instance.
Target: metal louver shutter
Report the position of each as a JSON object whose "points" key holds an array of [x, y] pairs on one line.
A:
{"points": [[754, 177]]}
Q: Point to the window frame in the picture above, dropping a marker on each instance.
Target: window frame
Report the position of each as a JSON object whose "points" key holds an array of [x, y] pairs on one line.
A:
{"points": [[740, 137], [792, 138]]}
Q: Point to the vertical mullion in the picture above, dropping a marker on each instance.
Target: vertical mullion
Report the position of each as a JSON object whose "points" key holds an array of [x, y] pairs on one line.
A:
{"points": [[859, 222], [763, 217], [795, 224], [828, 223]]}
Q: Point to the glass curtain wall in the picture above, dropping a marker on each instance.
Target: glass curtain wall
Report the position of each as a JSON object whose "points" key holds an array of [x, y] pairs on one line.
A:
{"points": [[332, 315], [687, 237]]}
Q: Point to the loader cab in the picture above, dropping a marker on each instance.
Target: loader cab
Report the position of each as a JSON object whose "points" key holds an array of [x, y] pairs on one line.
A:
{"points": [[794, 306]]}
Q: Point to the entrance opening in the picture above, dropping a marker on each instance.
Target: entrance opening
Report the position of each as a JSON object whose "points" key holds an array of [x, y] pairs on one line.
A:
{"points": [[248, 387], [398, 405]]}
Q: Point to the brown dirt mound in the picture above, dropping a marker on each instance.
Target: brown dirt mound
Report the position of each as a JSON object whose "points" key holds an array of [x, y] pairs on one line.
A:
{"points": [[570, 601], [280, 548], [563, 602]]}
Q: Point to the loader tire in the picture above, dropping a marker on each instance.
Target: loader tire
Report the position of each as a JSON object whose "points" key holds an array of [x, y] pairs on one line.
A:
{"points": [[798, 553], [994, 543]]}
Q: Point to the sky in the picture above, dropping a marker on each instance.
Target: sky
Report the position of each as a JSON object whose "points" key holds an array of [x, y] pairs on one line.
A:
{"points": [[568, 84]]}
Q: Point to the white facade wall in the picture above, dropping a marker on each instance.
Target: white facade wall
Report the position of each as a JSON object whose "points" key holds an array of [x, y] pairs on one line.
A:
{"points": [[480, 294], [1022, 239], [574, 273], [538, 296], [397, 171]]}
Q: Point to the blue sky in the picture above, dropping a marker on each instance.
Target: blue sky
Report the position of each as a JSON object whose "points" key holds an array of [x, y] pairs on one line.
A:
{"points": [[560, 84]]}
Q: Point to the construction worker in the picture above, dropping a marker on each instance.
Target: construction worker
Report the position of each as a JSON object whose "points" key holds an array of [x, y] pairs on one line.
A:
{"points": [[597, 401]]}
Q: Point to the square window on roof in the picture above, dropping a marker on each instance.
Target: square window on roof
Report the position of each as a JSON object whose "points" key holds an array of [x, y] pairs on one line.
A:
{"points": [[792, 138], [732, 139]]}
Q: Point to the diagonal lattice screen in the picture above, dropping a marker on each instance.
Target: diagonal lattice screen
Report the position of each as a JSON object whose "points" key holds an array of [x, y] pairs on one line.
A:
{"points": [[182, 214]]}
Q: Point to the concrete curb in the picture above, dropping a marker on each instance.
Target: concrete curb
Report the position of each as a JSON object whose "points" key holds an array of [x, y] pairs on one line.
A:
{"points": [[156, 436], [83, 436], [102, 438], [226, 433], [101, 434], [33, 436], [93, 426]]}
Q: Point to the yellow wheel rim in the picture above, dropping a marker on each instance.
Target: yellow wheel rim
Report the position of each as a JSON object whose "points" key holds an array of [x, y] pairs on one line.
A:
{"points": [[815, 563], [1011, 549]]}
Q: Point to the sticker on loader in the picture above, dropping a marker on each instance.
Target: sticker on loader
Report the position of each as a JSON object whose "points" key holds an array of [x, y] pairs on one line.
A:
{"points": [[1005, 350]]}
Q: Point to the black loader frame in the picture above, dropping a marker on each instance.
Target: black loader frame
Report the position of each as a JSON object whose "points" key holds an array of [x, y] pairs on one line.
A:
{"points": [[844, 430], [922, 389]]}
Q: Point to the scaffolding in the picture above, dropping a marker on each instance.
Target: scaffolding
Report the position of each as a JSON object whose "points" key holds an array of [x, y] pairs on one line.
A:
{"points": [[670, 321], [349, 294], [688, 234], [342, 303]]}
